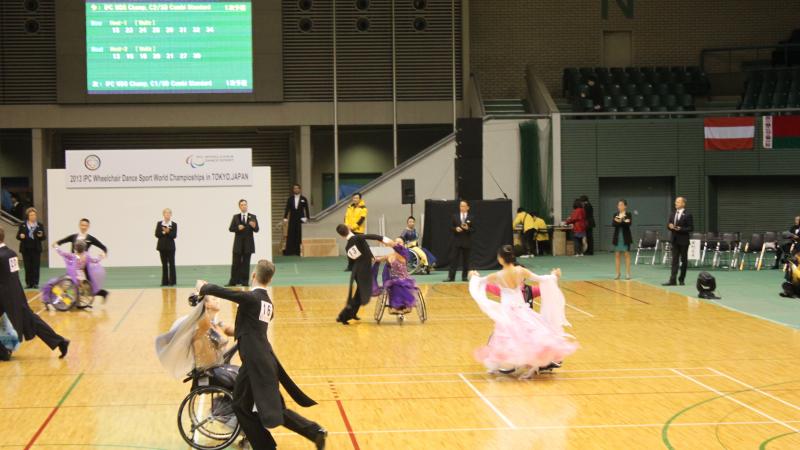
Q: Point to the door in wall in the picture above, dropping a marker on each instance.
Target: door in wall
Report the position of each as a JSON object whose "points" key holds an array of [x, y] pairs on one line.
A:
{"points": [[649, 201], [617, 48], [755, 204]]}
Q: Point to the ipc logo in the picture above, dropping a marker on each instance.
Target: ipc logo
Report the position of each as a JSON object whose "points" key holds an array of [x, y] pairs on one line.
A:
{"points": [[92, 162], [195, 161]]}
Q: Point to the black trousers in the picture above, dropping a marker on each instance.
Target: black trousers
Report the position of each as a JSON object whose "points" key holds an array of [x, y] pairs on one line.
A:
{"points": [[32, 261], [589, 241], [457, 252], [680, 253], [259, 436], [240, 268], [350, 310], [529, 241], [167, 267], [42, 330]]}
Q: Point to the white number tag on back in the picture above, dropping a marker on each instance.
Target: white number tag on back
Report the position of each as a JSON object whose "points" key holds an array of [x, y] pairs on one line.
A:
{"points": [[353, 253], [13, 264], [266, 312]]}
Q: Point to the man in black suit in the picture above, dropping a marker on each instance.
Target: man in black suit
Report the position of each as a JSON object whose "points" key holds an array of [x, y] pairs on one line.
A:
{"points": [[360, 255], [14, 303], [257, 401], [590, 224], [680, 225], [295, 214], [17, 208], [243, 225], [166, 232], [462, 227], [30, 236], [82, 235]]}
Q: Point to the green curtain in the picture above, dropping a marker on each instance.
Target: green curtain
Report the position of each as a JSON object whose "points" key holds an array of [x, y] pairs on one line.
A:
{"points": [[530, 195]]}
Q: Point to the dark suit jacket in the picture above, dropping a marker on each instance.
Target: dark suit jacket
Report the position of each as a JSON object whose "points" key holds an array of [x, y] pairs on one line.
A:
{"points": [[12, 297], [463, 238], [90, 241], [589, 210], [26, 244], [252, 320], [625, 226], [243, 241], [299, 212], [166, 242], [686, 224], [357, 249]]}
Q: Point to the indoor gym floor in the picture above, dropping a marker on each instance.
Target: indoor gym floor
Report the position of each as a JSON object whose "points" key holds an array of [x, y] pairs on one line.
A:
{"points": [[656, 369]]}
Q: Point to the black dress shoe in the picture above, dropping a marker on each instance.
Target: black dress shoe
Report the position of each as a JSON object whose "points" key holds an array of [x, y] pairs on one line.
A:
{"points": [[36, 286], [342, 321], [319, 441], [669, 283], [5, 356], [465, 280], [448, 280], [356, 318], [63, 347], [681, 283]]}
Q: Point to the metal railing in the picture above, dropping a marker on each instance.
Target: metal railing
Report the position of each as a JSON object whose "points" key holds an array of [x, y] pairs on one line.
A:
{"points": [[728, 53], [9, 219], [681, 114], [475, 97]]}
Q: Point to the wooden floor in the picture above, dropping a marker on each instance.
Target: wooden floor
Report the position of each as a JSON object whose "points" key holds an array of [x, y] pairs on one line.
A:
{"points": [[655, 370]]}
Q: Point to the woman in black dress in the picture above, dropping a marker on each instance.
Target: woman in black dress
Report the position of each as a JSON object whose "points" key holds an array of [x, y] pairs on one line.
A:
{"points": [[622, 237], [166, 232], [30, 236]]}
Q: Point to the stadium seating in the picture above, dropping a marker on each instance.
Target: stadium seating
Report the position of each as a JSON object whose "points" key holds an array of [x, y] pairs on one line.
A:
{"points": [[643, 89], [772, 88]]}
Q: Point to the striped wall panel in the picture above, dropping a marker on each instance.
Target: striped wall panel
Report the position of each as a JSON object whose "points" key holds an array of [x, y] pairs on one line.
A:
{"points": [[755, 204]]}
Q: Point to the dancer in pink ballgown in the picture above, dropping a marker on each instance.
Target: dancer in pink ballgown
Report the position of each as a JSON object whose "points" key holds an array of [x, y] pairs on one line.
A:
{"points": [[522, 338]]}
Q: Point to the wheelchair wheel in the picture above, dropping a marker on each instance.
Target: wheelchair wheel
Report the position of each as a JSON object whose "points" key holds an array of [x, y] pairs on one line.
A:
{"points": [[422, 308], [85, 295], [206, 419], [413, 263], [380, 306], [65, 294]]}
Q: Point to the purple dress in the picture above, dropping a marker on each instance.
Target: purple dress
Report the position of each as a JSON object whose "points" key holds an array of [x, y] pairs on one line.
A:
{"points": [[402, 289], [95, 273]]}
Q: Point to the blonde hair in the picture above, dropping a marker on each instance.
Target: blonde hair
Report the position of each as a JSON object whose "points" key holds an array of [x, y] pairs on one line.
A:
{"points": [[29, 211], [165, 210]]}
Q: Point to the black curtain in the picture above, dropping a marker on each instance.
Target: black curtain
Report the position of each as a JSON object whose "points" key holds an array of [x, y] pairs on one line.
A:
{"points": [[492, 230]]}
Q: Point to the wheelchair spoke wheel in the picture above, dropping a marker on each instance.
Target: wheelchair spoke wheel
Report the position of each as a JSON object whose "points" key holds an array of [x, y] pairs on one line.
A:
{"points": [[85, 295], [413, 262], [206, 419], [65, 294], [380, 306], [422, 308]]}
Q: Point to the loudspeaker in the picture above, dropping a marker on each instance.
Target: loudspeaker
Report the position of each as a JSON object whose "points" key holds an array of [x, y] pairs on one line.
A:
{"points": [[469, 138], [469, 178], [408, 192]]}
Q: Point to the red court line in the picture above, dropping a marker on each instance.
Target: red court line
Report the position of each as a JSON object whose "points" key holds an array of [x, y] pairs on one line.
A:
{"points": [[347, 425], [53, 412], [297, 299]]}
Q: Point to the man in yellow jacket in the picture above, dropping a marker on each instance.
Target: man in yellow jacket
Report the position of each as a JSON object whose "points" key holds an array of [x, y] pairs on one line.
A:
{"points": [[534, 231], [356, 219]]}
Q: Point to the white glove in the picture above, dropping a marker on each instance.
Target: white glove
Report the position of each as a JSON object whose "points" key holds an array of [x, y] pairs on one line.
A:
{"points": [[388, 241], [304, 220]]}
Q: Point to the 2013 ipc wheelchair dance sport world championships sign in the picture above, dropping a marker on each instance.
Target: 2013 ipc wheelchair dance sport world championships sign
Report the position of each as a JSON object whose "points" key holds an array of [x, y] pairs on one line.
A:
{"points": [[158, 168]]}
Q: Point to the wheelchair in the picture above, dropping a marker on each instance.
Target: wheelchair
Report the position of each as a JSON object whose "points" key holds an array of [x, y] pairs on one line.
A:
{"points": [[383, 304], [206, 420], [67, 295]]}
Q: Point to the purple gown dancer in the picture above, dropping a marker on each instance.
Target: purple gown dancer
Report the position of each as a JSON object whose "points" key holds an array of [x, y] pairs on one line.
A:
{"points": [[402, 289], [94, 273]]}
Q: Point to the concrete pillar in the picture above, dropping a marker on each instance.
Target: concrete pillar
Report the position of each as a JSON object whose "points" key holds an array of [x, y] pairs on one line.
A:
{"points": [[39, 163], [304, 162]]}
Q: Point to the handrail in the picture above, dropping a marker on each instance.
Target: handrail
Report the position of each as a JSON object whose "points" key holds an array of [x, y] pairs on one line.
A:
{"points": [[516, 116], [9, 219], [731, 50], [386, 175], [538, 95], [679, 113], [477, 96]]}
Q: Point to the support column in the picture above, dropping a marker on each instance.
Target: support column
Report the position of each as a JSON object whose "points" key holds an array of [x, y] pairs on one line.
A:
{"points": [[555, 129], [39, 163], [304, 161]]}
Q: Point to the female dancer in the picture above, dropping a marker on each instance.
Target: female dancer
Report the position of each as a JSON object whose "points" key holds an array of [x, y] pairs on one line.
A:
{"points": [[81, 266], [401, 288], [622, 237], [521, 337]]}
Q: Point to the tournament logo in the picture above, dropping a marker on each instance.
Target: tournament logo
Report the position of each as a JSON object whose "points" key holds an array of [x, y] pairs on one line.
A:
{"points": [[92, 162], [195, 161]]}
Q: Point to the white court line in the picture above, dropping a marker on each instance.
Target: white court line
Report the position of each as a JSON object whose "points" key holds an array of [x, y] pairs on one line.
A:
{"points": [[545, 427], [418, 374], [754, 389], [487, 380], [38, 294], [728, 396], [488, 403]]}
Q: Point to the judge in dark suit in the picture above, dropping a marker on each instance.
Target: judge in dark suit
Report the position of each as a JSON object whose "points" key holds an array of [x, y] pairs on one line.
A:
{"points": [[166, 232], [295, 214], [462, 227], [360, 255], [83, 235], [14, 303], [681, 226], [30, 236], [243, 225], [261, 373]]}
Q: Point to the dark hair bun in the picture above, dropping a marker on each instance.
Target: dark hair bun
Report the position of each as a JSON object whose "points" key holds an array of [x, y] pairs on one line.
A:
{"points": [[506, 252]]}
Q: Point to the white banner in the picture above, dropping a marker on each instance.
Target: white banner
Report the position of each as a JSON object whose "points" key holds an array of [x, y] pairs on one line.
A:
{"points": [[694, 249], [766, 140], [158, 168]]}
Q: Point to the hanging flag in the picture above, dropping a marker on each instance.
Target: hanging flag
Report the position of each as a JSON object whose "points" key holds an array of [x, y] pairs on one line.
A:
{"points": [[781, 131], [729, 133]]}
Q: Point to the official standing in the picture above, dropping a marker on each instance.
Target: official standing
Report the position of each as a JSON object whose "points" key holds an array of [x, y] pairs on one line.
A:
{"points": [[166, 232], [30, 236], [680, 225], [295, 214], [462, 227], [14, 303], [243, 225]]}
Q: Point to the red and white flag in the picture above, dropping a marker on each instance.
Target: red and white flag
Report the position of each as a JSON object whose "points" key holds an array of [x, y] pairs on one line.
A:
{"points": [[729, 133]]}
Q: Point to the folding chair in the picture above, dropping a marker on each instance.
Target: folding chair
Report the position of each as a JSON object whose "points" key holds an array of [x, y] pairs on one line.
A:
{"points": [[727, 245], [648, 243], [755, 246]]}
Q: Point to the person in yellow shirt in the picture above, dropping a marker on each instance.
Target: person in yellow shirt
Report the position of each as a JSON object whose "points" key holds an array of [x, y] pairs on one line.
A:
{"points": [[523, 222], [542, 236], [356, 219]]}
